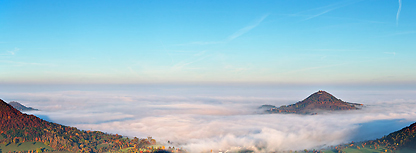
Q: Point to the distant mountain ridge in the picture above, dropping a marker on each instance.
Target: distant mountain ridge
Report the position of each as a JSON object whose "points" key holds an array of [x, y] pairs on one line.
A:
{"points": [[21, 107], [318, 101]]}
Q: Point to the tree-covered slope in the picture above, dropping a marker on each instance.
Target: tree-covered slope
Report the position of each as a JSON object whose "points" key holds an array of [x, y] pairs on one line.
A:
{"points": [[16, 127]]}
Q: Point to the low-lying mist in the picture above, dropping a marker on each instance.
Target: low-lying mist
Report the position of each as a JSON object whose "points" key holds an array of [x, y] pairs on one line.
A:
{"points": [[203, 118]]}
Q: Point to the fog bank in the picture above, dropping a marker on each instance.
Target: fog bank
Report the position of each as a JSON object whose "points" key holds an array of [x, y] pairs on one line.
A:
{"points": [[204, 118]]}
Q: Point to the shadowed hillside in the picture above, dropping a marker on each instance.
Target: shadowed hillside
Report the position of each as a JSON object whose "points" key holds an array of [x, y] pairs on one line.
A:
{"points": [[21, 107], [318, 101]]}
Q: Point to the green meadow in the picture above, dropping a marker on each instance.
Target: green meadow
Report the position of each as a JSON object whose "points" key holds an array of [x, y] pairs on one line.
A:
{"points": [[24, 146]]}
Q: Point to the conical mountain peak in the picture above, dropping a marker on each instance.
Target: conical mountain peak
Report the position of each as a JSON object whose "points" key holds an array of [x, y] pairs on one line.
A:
{"points": [[321, 96], [317, 102]]}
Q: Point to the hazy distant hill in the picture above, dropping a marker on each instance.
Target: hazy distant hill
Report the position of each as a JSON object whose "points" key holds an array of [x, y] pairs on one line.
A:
{"points": [[267, 107], [16, 127], [21, 107], [318, 101]]}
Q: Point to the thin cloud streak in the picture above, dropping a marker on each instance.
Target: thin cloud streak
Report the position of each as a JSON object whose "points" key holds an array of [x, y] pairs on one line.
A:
{"points": [[12, 52], [247, 28], [182, 64], [202, 43], [322, 13], [400, 33], [331, 8], [233, 36], [398, 12]]}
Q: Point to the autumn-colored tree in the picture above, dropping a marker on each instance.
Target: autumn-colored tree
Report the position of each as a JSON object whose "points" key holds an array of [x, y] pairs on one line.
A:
{"points": [[15, 140]]}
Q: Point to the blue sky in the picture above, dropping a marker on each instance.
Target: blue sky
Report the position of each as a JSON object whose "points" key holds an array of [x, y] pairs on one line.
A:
{"points": [[283, 42]]}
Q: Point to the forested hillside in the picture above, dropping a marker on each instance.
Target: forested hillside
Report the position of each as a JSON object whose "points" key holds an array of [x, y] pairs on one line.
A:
{"points": [[16, 127]]}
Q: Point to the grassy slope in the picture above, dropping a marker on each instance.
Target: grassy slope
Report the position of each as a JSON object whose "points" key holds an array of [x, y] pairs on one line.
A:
{"points": [[364, 150], [24, 146], [125, 150]]}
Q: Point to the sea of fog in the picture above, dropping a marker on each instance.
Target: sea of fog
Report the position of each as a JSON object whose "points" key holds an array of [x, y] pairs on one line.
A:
{"points": [[203, 118]]}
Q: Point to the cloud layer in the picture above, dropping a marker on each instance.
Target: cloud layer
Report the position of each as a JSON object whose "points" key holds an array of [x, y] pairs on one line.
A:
{"points": [[203, 118]]}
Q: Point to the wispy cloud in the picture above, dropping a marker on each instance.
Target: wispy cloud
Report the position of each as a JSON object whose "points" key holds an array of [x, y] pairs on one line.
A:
{"points": [[319, 14], [247, 28], [14, 51], [233, 36], [202, 43], [11, 52], [197, 57], [322, 10], [400, 33], [398, 12]]}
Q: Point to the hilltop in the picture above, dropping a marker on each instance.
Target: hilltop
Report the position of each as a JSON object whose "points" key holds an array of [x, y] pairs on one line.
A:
{"points": [[318, 101], [21, 107], [16, 129]]}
